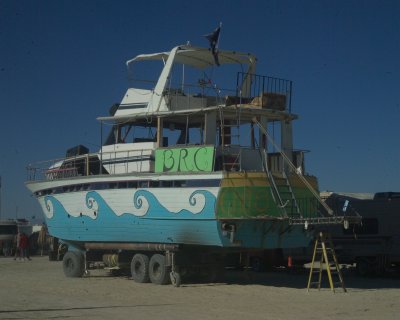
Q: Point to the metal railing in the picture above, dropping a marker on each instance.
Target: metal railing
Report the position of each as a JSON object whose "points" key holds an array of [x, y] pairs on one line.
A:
{"points": [[313, 213], [273, 92], [113, 162]]}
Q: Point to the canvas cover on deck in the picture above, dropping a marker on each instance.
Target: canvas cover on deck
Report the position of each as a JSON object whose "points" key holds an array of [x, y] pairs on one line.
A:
{"points": [[199, 57]]}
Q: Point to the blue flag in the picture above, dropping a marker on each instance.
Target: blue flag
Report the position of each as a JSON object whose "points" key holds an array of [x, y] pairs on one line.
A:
{"points": [[213, 38]]}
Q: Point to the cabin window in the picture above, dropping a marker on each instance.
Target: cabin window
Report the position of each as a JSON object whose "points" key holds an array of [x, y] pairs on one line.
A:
{"points": [[203, 183], [166, 184], [154, 184], [132, 132], [143, 184], [99, 186], [180, 183], [184, 130], [132, 184], [122, 185]]}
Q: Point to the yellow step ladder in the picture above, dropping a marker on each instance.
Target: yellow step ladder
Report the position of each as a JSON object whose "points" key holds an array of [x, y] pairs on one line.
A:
{"points": [[324, 252]]}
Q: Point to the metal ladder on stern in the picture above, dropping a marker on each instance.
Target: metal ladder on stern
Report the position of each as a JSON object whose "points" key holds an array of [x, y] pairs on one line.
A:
{"points": [[324, 253], [282, 192], [287, 196], [230, 160]]}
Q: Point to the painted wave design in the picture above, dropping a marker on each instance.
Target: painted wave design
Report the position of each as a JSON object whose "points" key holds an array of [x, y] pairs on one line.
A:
{"points": [[158, 224], [48, 207], [200, 205], [89, 208], [54, 207], [199, 202]]}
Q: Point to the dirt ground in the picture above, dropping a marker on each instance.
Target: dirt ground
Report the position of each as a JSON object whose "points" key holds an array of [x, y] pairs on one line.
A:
{"points": [[38, 289]]}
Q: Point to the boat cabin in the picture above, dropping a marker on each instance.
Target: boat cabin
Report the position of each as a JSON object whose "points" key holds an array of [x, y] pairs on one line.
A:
{"points": [[189, 106], [185, 113]]}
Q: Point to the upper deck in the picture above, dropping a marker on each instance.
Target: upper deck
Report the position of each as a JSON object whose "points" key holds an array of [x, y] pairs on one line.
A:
{"points": [[190, 102], [190, 82]]}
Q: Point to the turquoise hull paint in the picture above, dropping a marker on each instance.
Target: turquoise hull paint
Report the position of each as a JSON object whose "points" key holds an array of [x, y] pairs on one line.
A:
{"points": [[270, 234], [159, 225]]}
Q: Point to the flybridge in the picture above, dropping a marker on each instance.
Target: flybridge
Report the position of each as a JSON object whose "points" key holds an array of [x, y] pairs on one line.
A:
{"points": [[164, 98]]}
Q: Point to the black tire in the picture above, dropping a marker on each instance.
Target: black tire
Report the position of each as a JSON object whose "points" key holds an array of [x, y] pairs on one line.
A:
{"points": [[140, 268], [73, 264], [175, 278], [158, 272]]}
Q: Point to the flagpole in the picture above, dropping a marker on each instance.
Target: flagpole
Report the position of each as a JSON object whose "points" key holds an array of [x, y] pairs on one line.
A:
{"points": [[213, 38], [219, 35]]}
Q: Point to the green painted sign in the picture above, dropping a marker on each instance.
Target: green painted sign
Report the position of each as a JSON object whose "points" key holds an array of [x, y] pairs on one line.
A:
{"points": [[189, 159]]}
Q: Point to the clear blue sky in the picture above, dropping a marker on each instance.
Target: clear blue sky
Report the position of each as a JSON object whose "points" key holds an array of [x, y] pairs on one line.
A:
{"points": [[62, 64]]}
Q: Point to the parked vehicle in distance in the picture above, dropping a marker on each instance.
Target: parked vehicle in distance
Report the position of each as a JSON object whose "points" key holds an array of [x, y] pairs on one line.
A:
{"points": [[374, 245], [8, 231]]}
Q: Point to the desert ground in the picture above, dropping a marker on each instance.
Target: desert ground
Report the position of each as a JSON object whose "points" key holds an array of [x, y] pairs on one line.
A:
{"points": [[38, 289]]}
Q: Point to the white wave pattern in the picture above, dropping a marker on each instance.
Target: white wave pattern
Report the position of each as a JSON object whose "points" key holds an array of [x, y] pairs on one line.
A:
{"points": [[74, 203], [93, 208], [125, 202], [174, 200], [183, 199], [197, 202], [122, 201], [141, 206], [48, 208]]}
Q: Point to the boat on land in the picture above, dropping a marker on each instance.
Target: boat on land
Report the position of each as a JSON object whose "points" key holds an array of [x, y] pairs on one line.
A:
{"points": [[188, 169]]}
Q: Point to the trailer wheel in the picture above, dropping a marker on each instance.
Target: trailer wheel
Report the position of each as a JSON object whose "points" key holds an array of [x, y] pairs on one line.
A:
{"points": [[158, 272], [175, 278], [140, 268], [73, 264]]}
